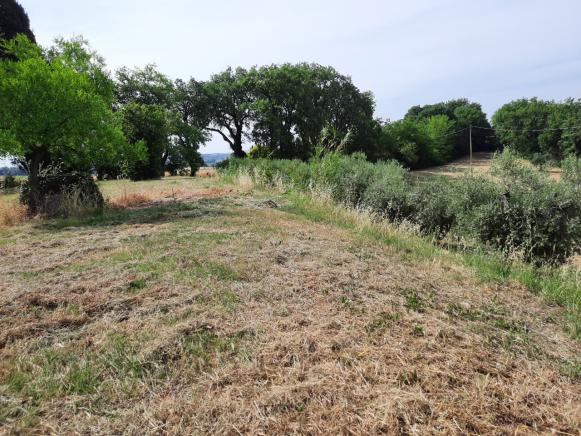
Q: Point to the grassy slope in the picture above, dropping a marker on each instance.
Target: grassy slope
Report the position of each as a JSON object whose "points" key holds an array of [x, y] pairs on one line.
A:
{"points": [[207, 310]]}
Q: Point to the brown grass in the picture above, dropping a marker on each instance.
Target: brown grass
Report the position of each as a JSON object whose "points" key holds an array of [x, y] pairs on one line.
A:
{"points": [[249, 319], [206, 172], [481, 162], [131, 200], [11, 213]]}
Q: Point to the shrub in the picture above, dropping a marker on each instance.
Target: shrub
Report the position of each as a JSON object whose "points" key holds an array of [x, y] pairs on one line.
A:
{"points": [[388, 194], [432, 202], [532, 216], [66, 194], [10, 182], [520, 211]]}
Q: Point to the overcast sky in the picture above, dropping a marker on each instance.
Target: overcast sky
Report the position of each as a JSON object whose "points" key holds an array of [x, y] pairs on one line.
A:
{"points": [[406, 52]]}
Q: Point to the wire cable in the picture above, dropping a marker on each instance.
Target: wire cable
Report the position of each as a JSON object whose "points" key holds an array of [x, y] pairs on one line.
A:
{"points": [[528, 130]]}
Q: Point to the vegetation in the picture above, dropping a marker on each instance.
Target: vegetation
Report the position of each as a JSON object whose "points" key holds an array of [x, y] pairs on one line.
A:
{"points": [[521, 211], [13, 21], [542, 130], [165, 307], [55, 109]]}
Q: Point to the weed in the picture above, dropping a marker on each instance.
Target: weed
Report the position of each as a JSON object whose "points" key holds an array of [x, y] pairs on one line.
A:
{"points": [[418, 331], [408, 378], [136, 285], [383, 321], [415, 302]]}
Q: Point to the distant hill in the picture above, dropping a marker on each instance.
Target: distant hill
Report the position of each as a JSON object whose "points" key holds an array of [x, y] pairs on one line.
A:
{"points": [[212, 159], [15, 171]]}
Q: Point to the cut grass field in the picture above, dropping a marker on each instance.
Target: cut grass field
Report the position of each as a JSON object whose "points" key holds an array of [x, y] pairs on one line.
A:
{"points": [[481, 162], [191, 306]]}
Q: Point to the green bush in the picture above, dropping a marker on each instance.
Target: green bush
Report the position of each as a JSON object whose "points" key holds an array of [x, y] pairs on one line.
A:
{"points": [[531, 215], [388, 194], [520, 211], [10, 182], [66, 194], [432, 202]]}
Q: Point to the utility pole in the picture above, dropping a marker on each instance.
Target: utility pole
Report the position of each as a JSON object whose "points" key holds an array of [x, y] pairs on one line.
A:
{"points": [[470, 148]]}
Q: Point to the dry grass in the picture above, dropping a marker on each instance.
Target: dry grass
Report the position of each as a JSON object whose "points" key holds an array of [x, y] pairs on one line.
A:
{"points": [[481, 162], [131, 200], [240, 317], [206, 172], [11, 212]]}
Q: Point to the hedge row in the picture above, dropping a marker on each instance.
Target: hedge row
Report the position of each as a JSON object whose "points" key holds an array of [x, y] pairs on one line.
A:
{"points": [[519, 210]]}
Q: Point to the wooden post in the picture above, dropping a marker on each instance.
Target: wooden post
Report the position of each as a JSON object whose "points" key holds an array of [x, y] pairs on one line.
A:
{"points": [[470, 148]]}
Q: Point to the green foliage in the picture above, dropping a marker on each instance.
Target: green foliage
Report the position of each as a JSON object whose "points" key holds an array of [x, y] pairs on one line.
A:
{"points": [[388, 193], [148, 125], [432, 202], [165, 116], [461, 114], [9, 182], [227, 99], [13, 21], [52, 113], [546, 128], [521, 212], [287, 110]]}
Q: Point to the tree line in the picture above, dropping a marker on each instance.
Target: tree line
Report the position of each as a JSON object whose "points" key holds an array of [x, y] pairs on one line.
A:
{"points": [[61, 110]]}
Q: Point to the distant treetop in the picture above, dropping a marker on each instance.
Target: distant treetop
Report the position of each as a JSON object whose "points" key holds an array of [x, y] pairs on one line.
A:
{"points": [[13, 21]]}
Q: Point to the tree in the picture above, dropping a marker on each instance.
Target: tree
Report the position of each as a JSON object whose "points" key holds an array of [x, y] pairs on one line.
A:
{"points": [[147, 124], [13, 21], [189, 124], [228, 98], [463, 114], [296, 104], [439, 128], [174, 133], [538, 128], [145, 98], [408, 143], [144, 86], [48, 108]]}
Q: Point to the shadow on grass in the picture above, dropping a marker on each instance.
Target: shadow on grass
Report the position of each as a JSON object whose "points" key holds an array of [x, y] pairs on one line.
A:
{"points": [[155, 213]]}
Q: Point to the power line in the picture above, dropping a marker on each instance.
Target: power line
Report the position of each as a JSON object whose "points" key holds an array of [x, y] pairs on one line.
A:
{"points": [[527, 130], [457, 131]]}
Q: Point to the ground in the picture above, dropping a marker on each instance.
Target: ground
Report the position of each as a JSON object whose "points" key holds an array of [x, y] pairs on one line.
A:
{"points": [[480, 165], [192, 306]]}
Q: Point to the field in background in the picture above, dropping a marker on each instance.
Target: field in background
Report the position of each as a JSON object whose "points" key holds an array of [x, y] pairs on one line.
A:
{"points": [[480, 165], [192, 306]]}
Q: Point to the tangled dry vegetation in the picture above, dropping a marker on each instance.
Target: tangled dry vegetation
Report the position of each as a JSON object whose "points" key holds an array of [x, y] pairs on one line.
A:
{"points": [[11, 212], [214, 310]]}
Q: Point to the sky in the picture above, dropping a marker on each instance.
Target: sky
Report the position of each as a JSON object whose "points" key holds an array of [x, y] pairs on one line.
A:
{"points": [[406, 52]]}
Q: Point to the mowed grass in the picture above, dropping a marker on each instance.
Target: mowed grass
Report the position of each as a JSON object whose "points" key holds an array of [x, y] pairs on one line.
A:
{"points": [[207, 309]]}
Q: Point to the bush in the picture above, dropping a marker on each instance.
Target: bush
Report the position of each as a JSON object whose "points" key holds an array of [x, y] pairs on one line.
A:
{"points": [[66, 194], [532, 216], [10, 182], [520, 211], [432, 202], [388, 194]]}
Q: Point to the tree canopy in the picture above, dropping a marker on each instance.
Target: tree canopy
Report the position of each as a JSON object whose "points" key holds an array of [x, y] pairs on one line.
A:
{"points": [[13, 21], [538, 128], [165, 116], [49, 108]]}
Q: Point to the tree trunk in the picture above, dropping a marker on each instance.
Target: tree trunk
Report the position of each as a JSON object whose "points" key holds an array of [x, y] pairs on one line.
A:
{"points": [[34, 184], [237, 145]]}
